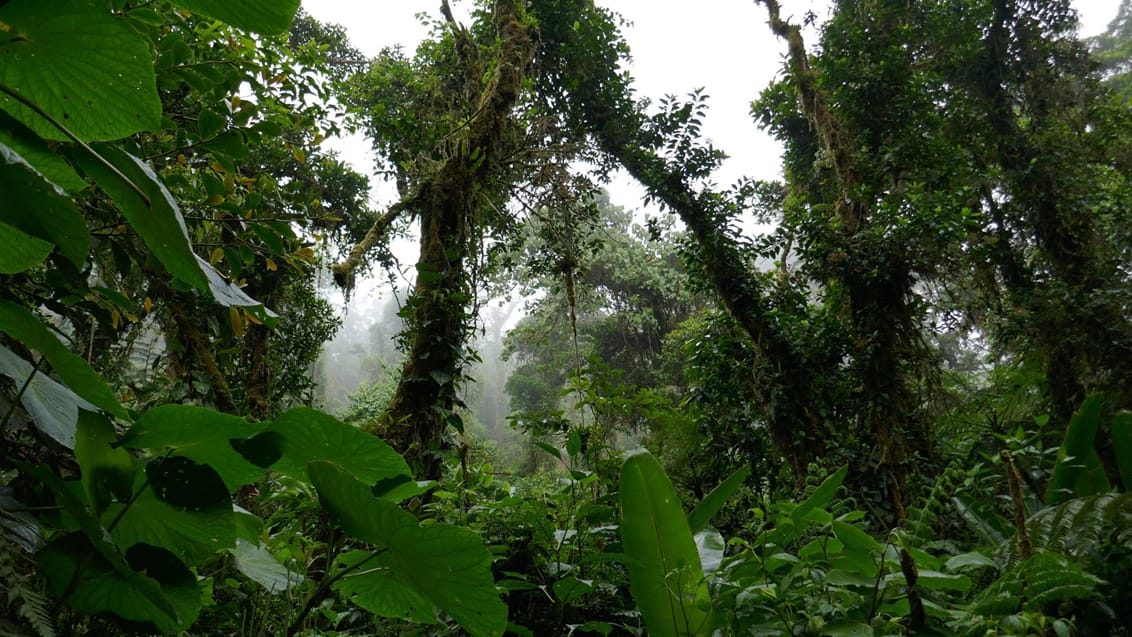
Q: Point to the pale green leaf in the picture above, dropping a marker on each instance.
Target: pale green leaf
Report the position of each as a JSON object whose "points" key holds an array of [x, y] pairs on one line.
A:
{"points": [[260, 566], [53, 407], [847, 628], [23, 326]]}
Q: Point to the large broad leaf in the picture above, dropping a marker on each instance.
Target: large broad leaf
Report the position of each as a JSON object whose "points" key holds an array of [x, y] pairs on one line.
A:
{"points": [[53, 408], [23, 326], [96, 550], [107, 471], [381, 590], [39, 208], [312, 436], [82, 65], [714, 501], [264, 16], [1122, 446], [260, 566], [21, 251], [203, 435], [446, 565], [181, 506], [150, 208], [148, 584], [1079, 472], [665, 574]]}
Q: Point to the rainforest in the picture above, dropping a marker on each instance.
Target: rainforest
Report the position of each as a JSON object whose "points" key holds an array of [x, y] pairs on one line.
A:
{"points": [[885, 393]]}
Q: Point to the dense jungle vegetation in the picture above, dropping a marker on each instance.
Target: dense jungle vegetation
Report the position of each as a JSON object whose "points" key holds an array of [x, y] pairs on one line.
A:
{"points": [[900, 410]]}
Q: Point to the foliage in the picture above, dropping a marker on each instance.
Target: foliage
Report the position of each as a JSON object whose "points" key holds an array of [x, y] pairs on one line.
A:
{"points": [[954, 180]]}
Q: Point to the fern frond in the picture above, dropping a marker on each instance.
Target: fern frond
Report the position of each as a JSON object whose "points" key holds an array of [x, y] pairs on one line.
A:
{"points": [[1081, 526], [1042, 580]]}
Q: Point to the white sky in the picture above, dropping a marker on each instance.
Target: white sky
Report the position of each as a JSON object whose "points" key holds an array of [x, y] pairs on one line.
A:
{"points": [[723, 46]]}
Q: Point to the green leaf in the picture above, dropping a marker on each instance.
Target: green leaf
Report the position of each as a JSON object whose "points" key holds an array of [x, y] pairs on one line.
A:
{"points": [[148, 584], [714, 501], [569, 589], [854, 538], [821, 496], [23, 326], [665, 575], [1122, 446], [203, 435], [991, 527], [82, 65], [1079, 472], [260, 566], [263, 16], [934, 580], [39, 208], [40, 157], [574, 443], [107, 472], [21, 252], [448, 566], [156, 217], [309, 436], [847, 628], [381, 590], [185, 508]]}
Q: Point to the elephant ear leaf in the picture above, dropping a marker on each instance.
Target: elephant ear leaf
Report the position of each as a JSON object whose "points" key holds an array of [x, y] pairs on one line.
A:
{"points": [[665, 574]]}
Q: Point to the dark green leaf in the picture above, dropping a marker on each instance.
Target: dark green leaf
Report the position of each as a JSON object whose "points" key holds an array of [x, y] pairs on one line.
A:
{"points": [[1122, 446], [714, 501], [166, 596], [203, 435], [195, 526], [39, 208], [263, 16], [448, 566], [21, 251], [107, 472], [82, 65], [187, 485], [156, 217], [43, 159], [1079, 472]]}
